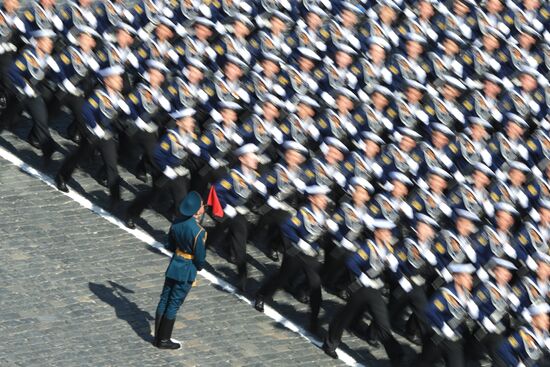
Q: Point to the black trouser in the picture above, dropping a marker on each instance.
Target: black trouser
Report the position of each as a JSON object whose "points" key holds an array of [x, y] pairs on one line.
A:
{"points": [[147, 142], [177, 187], [417, 300], [74, 103], [295, 262], [366, 299], [436, 347], [237, 233], [108, 150], [268, 228], [335, 272], [487, 343]]}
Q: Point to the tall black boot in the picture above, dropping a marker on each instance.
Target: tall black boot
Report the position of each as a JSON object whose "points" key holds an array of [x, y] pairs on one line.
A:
{"points": [[158, 321], [165, 333]]}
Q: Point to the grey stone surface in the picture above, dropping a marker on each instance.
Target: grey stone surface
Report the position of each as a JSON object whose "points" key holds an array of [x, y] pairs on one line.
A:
{"points": [[77, 290]]}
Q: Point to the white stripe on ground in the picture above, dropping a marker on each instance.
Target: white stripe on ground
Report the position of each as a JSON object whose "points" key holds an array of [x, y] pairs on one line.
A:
{"points": [[145, 237]]}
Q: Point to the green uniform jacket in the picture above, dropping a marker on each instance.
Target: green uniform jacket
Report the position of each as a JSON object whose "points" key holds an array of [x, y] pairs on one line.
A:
{"points": [[186, 236]]}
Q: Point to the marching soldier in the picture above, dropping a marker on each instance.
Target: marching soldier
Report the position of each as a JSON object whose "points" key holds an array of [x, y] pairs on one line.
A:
{"points": [[370, 265], [302, 235], [100, 112], [447, 312], [235, 193], [27, 83], [12, 29]]}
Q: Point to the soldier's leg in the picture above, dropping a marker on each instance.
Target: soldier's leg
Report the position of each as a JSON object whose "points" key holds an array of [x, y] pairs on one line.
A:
{"points": [[178, 189], [431, 353], [453, 353], [177, 296], [419, 302], [290, 266], [342, 320], [381, 328], [334, 268], [76, 127], [108, 150], [311, 269], [39, 114], [84, 150], [165, 296], [238, 234]]}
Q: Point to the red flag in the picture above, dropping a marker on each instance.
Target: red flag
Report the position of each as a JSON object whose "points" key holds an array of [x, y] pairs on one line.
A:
{"points": [[213, 201]]}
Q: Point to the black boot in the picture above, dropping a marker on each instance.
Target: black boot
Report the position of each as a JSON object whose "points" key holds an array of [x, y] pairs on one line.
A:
{"points": [[158, 321], [259, 303], [60, 183], [165, 332], [329, 350]]}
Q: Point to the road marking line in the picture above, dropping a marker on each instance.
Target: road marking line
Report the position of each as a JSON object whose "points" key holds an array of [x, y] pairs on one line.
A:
{"points": [[149, 240]]}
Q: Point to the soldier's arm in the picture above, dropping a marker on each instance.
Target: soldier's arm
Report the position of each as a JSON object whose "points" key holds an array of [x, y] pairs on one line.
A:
{"points": [[16, 71], [200, 250], [508, 350]]}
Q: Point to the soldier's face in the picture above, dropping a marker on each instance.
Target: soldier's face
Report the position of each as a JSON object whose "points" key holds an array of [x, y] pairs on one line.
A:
{"points": [[464, 226], [414, 49], [320, 201], [371, 148], [305, 63], [383, 235], [240, 29], [313, 20], [124, 38], [187, 124], [450, 93], [164, 32], [464, 280], [343, 59], [249, 160], [502, 275], [531, 4], [156, 77], [490, 42], [85, 3], [271, 112], [229, 115], [333, 155], [528, 83], [413, 95], [232, 71], [305, 110], [437, 183], [360, 196], [344, 104], [349, 19], [200, 212], [460, 8], [407, 143], [387, 14], [294, 158], [526, 40], [400, 190], [451, 46], [379, 100], [45, 44], [424, 232], [114, 82], [541, 322], [478, 132], [517, 177], [270, 67], [543, 270], [377, 54], [87, 42], [504, 220], [513, 130], [277, 25], [425, 10], [494, 6], [491, 89], [202, 32], [481, 179], [12, 5], [439, 140], [544, 216], [47, 3], [195, 75]]}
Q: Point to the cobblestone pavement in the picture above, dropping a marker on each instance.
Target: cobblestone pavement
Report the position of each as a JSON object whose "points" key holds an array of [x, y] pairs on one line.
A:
{"points": [[76, 290]]}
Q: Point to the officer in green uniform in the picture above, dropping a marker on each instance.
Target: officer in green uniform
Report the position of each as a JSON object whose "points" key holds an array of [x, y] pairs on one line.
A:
{"points": [[186, 239]]}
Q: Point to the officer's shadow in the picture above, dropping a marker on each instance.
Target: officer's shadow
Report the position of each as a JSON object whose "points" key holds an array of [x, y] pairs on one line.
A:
{"points": [[114, 295]]}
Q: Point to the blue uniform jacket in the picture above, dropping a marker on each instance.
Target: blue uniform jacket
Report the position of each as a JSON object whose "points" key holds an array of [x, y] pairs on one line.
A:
{"points": [[186, 238]]}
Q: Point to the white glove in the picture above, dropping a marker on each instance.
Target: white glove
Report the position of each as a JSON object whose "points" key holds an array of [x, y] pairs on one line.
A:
{"points": [[142, 125], [407, 210], [432, 34], [260, 186], [29, 91], [279, 90], [69, 87], [526, 315], [213, 163], [447, 331], [405, 284], [473, 310], [58, 24], [300, 185], [180, 30], [509, 250], [392, 262], [494, 64], [306, 248], [445, 209], [123, 106], [242, 210], [331, 225], [194, 148], [470, 252], [365, 280], [531, 264], [446, 274], [211, 53], [98, 131], [312, 84], [132, 59], [274, 203], [243, 94], [514, 300], [170, 173], [489, 325], [286, 49], [230, 211], [535, 108], [430, 257], [143, 34], [347, 244], [547, 343], [340, 179], [482, 275]]}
